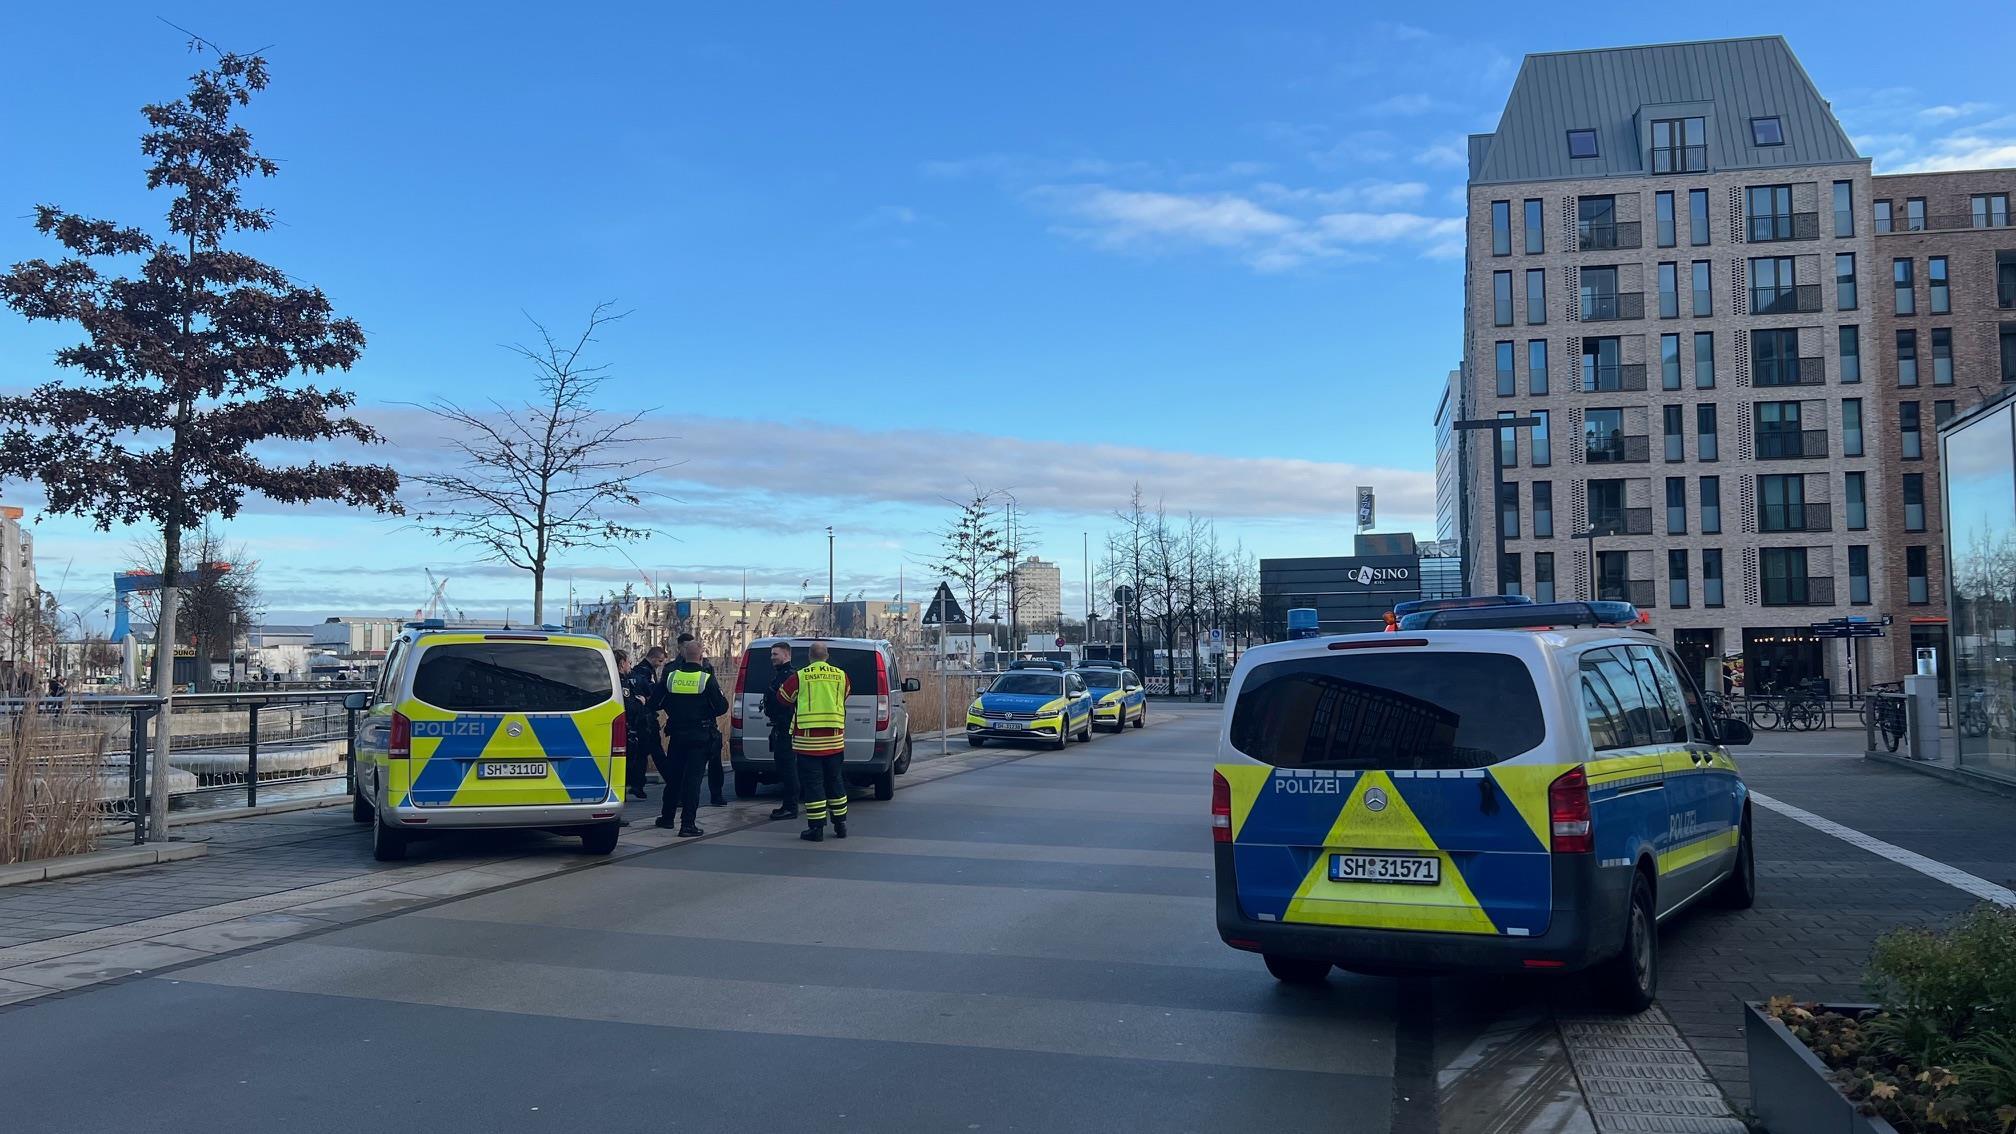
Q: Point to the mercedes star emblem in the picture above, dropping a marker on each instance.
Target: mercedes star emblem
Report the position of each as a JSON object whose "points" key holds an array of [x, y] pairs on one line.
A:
{"points": [[1375, 799]]}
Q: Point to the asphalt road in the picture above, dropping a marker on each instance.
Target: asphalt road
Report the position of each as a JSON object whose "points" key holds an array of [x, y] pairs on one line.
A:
{"points": [[1025, 946]]}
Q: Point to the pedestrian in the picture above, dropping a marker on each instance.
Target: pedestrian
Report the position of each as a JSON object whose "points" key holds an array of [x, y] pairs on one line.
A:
{"points": [[714, 773], [693, 706], [818, 698], [643, 696], [778, 711]]}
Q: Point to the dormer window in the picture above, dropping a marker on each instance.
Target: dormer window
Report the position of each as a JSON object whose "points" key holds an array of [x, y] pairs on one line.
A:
{"points": [[1767, 131], [1581, 143], [1679, 145]]}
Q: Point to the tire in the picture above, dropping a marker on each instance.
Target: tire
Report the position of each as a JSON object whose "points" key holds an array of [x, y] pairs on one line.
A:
{"points": [[1629, 982], [1141, 718], [909, 750], [388, 845], [1063, 740], [975, 741], [1893, 733], [885, 786], [1764, 716], [1739, 890], [361, 810], [746, 784], [1297, 970], [599, 839], [1086, 736]]}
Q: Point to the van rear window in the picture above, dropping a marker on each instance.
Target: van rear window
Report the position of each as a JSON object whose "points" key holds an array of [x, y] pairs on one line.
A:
{"points": [[858, 665], [1388, 709], [511, 677]]}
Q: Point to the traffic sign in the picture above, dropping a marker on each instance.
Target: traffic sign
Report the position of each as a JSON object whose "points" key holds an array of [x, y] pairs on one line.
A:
{"points": [[1850, 628]]}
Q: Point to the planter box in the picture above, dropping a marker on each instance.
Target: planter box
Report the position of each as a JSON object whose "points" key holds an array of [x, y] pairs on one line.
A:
{"points": [[1790, 1090]]}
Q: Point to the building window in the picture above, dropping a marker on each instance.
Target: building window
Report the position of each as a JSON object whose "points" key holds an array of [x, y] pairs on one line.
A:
{"points": [[1704, 360], [1501, 299], [1711, 576], [1679, 145], [1851, 427], [1784, 576], [1605, 499], [1662, 211], [1508, 379], [1581, 143], [1907, 358], [1508, 510], [1942, 356], [1858, 574], [1768, 212], [1697, 216], [1536, 366], [1603, 436], [1536, 226], [1844, 281], [1508, 574], [1857, 506], [1675, 419], [1676, 577], [1602, 300], [1844, 208], [1914, 214], [1935, 281], [1669, 362], [1508, 442], [1851, 355], [1706, 446], [1501, 228], [1778, 432], [1883, 223], [1669, 291], [1711, 505], [1676, 505], [1543, 576], [1908, 414], [1597, 227], [1543, 509], [1536, 295], [1900, 286], [1543, 446], [1602, 366], [1781, 503], [2007, 339], [1942, 412], [1704, 294], [1914, 502], [2005, 279], [1916, 575], [1767, 131], [1991, 210], [1774, 285], [1774, 358]]}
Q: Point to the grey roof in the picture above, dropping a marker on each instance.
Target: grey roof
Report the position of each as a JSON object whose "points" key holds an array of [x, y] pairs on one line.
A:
{"points": [[1731, 81]]}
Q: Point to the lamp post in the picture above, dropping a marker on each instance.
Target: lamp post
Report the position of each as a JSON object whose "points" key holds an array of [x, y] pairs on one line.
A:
{"points": [[1497, 426], [832, 619], [1589, 538]]}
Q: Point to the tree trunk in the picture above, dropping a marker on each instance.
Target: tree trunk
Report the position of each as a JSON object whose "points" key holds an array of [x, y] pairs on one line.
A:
{"points": [[164, 683], [539, 596]]}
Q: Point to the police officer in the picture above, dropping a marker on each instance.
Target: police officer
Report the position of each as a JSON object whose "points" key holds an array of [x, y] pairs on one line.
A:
{"points": [[778, 710], [714, 775], [818, 697], [643, 697], [693, 703]]}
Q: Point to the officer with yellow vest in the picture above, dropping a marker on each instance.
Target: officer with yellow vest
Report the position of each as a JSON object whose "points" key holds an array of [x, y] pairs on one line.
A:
{"points": [[818, 697], [693, 707]]}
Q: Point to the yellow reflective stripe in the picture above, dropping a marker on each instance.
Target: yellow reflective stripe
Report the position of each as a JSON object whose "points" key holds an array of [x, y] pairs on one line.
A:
{"points": [[1689, 853], [1446, 908], [1246, 782]]}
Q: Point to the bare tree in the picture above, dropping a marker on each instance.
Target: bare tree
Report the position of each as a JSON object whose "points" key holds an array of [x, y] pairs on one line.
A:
{"points": [[970, 547], [540, 478], [220, 596]]}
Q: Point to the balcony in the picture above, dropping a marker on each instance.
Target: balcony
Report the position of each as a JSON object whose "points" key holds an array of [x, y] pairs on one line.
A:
{"points": [[1604, 307], [1679, 159], [1791, 444], [1597, 236], [1810, 517], [1622, 376], [1940, 222], [1813, 591], [1637, 592], [1621, 521], [1773, 227], [1801, 299], [1789, 372], [1619, 448]]}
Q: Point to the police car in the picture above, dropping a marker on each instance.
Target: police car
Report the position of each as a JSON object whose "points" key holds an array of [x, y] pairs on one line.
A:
{"points": [[1034, 700], [1515, 787], [1118, 698], [472, 728]]}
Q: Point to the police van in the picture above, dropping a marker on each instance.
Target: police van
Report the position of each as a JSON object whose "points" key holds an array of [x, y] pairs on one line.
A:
{"points": [[477, 728], [1513, 787]]}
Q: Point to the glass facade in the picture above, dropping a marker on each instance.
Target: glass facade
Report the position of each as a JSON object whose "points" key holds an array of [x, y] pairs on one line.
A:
{"points": [[1979, 467]]}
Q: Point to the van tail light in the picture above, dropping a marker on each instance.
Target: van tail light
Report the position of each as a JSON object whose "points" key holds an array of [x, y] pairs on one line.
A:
{"points": [[881, 692], [1568, 812], [619, 736], [399, 745], [741, 687], [1221, 809]]}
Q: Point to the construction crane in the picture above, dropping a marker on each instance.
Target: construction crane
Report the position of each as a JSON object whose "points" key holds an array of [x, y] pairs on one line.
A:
{"points": [[437, 595]]}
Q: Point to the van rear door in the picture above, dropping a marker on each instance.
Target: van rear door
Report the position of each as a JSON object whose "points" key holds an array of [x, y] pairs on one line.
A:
{"points": [[1382, 797], [503, 720]]}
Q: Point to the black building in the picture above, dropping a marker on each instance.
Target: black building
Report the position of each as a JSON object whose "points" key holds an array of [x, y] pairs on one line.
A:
{"points": [[1349, 595]]}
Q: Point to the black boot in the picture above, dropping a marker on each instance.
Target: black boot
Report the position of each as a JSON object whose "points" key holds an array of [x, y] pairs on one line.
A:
{"points": [[638, 793], [689, 831], [815, 832], [839, 828], [784, 813]]}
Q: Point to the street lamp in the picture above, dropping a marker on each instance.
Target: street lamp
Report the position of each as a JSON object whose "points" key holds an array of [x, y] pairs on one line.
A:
{"points": [[1497, 425], [1589, 538], [832, 619]]}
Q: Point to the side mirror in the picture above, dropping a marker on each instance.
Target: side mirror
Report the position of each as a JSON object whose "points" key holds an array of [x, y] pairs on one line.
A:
{"points": [[1729, 730], [912, 685], [357, 701]]}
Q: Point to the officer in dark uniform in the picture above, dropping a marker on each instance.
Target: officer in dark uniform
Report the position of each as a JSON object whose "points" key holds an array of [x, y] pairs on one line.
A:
{"points": [[714, 774], [643, 697], [778, 711], [693, 705]]}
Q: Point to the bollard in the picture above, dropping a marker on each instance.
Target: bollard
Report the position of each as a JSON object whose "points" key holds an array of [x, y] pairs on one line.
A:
{"points": [[252, 758], [136, 771], [350, 750], [1922, 714]]}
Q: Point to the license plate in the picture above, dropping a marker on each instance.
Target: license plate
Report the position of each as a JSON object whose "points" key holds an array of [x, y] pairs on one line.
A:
{"points": [[514, 770], [1408, 868]]}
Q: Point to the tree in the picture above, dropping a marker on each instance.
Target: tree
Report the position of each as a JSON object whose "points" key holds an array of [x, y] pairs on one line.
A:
{"points": [[187, 363], [535, 480], [969, 556]]}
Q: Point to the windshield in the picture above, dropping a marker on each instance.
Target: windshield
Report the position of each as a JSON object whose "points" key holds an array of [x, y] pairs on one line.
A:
{"points": [[1046, 684], [1101, 678], [1388, 709], [512, 677], [857, 664]]}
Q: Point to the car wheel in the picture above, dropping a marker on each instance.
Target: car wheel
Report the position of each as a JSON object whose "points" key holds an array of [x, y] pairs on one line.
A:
{"points": [[1629, 982], [976, 741], [909, 750], [885, 786], [1086, 736], [1141, 718], [599, 839], [1739, 890], [746, 784], [387, 845], [1297, 970], [361, 810], [1063, 740]]}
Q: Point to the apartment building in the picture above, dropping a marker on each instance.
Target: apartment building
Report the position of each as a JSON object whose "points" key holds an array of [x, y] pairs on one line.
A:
{"points": [[1945, 318], [1667, 270]]}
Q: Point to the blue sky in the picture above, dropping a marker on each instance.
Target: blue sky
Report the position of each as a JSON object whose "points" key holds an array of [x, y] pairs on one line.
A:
{"points": [[875, 251]]}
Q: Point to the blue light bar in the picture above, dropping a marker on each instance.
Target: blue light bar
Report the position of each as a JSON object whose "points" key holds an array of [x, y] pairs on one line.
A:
{"points": [[1463, 602], [1524, 616], [428, 624]]}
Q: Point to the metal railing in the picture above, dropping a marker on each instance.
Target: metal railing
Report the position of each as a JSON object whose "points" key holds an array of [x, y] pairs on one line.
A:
{"points": [[1791, 444], [1679, 159], [1608, 306], [1597, 236], [1808, 517], [1797, 299], [1769, 228], [1621, 521], [1621, 376], [1938, 222], [1802, 371], [1637, 592], [1633, 448], [1812, 590]]}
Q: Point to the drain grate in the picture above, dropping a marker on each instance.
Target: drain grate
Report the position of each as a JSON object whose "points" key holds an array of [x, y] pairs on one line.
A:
{"points": [[1640, 1077]]}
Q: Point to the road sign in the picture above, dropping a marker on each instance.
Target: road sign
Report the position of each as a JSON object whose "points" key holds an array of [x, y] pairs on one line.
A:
{"points": [[1849, 628], [1217, 636], [944, 609]]}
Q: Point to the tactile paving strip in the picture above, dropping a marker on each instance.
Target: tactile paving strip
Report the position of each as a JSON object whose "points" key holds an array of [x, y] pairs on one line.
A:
{"points": [[1640, 1077]]}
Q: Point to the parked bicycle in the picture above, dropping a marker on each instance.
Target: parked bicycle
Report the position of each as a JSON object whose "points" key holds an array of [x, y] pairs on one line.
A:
{"points": [[1801, 710], [1982, 712]]}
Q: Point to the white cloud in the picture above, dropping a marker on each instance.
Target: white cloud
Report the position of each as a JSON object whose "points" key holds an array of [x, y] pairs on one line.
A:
{"points": [[1405, 105], [1132, 218], [1443, 155], [1945, 112], [1901, 133]]}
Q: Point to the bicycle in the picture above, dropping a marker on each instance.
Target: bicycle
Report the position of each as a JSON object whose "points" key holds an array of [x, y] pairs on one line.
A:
{"points": [[1763, 713], [1804, 712], [1890, 721]]}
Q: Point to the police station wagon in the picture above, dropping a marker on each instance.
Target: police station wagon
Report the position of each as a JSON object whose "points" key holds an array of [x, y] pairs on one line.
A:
{"points": [[1523, 788]]}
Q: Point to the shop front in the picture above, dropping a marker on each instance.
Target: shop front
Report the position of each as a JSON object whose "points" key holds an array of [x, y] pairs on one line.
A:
{"points": [[1781, 659], [1978, 468]]}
